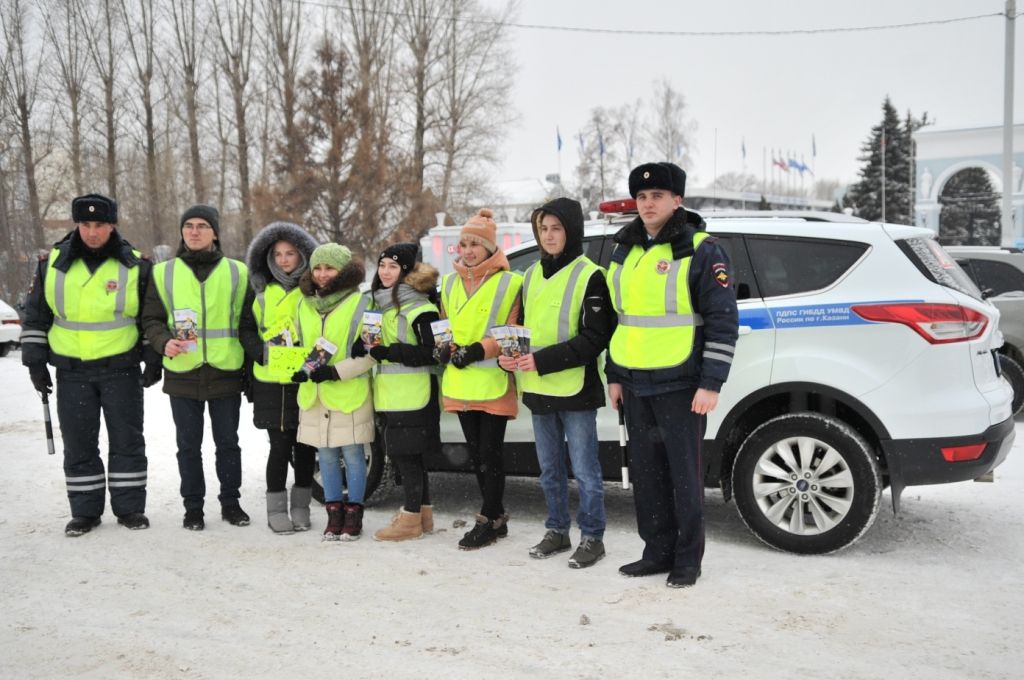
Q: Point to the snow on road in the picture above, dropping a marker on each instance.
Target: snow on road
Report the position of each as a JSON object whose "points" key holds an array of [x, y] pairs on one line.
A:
{"points": [[935, 592]]}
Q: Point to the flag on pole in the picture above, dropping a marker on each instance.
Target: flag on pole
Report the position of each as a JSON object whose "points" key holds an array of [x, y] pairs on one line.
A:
{"points": [[600, 143], [582, 147], [558, 136], [743, 148], [814, 148]]}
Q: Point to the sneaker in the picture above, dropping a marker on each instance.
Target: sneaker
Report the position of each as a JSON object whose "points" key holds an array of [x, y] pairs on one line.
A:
{"points": [[134, 521], [193, 520], [352, 529], [684, 577], [589, 553], [81, 525], [554, 542], [234, 515], [484, 533]]}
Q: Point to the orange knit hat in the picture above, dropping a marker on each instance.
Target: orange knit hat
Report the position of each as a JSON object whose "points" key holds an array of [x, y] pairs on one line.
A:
{"points": [[480, 228]]}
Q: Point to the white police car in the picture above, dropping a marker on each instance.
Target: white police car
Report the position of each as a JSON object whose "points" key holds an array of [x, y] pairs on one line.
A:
{"points": [[866, 358]]}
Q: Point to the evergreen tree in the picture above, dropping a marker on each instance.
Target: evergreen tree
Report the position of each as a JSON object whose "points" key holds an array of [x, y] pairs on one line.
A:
{"points": [[970, 210], [865, 196]]}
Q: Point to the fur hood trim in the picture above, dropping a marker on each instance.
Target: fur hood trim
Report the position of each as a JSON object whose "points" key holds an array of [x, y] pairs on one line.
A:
{"points": [[256, 257]]}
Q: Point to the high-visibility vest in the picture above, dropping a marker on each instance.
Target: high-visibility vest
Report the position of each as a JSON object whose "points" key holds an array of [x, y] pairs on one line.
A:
{"points": [[651, 295], [217, 303], [397, 387], [269, 307], [342, 325], [94, 313], [553, 316], [471, 317]]}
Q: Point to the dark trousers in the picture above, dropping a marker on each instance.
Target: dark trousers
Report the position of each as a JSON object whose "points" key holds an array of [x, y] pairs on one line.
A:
{"points": [[668, 476], [81, 395], [485, 437], [188, 420], [285, 450]]}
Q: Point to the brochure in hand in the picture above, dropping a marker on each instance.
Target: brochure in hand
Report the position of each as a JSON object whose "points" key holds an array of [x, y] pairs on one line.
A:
{"points": [[442, 330], [514, 341], [320, 355], [372, 322], [186, 328], [281, 334]]}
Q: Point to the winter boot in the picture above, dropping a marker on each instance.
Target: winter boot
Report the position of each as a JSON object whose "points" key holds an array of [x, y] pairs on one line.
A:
{"points": [[135, 521], [277, 512], [427, 515], [193, 520], [300, 507], [404, 526], [554, 542], [335, 522], [234, 515], [353, 526], [485, 533], [81, 525], [589, 553]]}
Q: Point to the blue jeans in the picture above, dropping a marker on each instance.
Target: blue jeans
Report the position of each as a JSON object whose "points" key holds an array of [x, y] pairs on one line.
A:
{"points": [[330, 458], [188, 423], [551, 432]]}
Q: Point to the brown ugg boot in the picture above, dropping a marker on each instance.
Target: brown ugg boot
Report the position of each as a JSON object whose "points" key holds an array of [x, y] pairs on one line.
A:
{"points": [[427, 515], [404, 526]]}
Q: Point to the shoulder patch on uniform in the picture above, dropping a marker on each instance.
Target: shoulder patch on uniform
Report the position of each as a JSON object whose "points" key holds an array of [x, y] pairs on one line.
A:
{"points": [[721, 274]]}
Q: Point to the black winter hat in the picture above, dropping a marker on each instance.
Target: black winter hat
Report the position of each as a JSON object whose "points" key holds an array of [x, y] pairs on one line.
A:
{"points": [[668, 176], [203, 212], [402, 253], [94, 208]]}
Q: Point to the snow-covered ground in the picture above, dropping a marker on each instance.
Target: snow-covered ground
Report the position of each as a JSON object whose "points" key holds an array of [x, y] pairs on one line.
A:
{"points": [[933, 593]]}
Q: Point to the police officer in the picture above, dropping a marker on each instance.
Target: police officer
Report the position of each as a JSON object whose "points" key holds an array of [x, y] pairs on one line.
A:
{"points": [[82, 316], [667, 360], [191, 315]]}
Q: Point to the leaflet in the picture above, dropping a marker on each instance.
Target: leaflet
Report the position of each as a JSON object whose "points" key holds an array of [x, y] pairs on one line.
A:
{"points": [[514, 341], [442, 330], [372, 328], [320, 355], [186, 328]]}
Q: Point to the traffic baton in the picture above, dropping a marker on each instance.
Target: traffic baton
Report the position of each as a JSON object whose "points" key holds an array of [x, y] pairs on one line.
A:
{"points": [[48, 423], [623, 452]]}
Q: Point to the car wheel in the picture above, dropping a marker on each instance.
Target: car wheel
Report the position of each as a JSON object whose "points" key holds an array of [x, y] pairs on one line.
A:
{"points": [[379, 477], [1014, 375], [5, 348], [807, 483]]}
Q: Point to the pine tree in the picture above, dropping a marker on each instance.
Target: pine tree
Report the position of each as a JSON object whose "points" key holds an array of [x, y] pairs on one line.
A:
{"points": [[865, 197], [970, 210]]}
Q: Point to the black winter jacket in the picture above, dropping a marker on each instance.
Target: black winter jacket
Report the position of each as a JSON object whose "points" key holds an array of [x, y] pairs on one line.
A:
{"points": [[712, 296], [35, 350]]}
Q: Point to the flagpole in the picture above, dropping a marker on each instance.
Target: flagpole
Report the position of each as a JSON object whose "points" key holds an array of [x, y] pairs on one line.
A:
{"points": [[764, 169], [714, 171]]}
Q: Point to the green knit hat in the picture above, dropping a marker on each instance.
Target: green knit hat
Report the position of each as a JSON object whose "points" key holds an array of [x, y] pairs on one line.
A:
{"points": [[332, 255]]}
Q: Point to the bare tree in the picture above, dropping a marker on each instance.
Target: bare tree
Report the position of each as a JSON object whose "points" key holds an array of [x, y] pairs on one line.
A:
{"points": [[64, 31], [22, 76], [670, 133], [104, 54], [189, 39], [235, 21]]}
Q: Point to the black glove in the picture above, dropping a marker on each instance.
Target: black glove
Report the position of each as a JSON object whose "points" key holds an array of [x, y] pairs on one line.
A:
{"points": [[442, 354], [380, 352], [40, 376], [323, 374], [152, 373], [300, 377], [358, 349], [464, 356]]}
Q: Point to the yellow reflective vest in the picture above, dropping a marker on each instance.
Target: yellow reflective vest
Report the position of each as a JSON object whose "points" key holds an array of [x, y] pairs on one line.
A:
{"points": [[397, 387], [471, 317], [552, 314], [341, 326], [651, 296], [94, 313], [269, 307], [217, 306]]}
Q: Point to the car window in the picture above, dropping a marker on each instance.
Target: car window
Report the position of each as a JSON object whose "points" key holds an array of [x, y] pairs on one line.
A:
{"points": [[742, 274], [521, 261], [1001, 277], [937, 265], [784, 266]]}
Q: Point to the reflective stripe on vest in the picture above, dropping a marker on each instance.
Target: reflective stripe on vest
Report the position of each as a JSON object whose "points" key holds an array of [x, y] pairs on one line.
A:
{"points": [[94, 313], [397, 387], [342, 325], [471, 316], [217, 343], [651, 296], [552, 315], [269, 307]]}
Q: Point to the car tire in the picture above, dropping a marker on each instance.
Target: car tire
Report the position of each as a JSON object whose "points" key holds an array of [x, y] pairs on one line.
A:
{"points": [[813, 506], [1014, 375], [380, 478], [5, 348]]}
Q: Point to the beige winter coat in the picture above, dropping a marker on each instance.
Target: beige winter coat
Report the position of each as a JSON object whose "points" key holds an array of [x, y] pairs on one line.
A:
{"points": [[319, 426]]}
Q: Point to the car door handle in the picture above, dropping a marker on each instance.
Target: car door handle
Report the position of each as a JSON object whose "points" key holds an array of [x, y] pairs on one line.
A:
{"points": [[745, 330]]}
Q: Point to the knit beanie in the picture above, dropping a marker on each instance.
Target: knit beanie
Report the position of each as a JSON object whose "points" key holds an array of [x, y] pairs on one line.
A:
{"points": [[402, 253], [480, 228], [204, 212], [331, 254]]}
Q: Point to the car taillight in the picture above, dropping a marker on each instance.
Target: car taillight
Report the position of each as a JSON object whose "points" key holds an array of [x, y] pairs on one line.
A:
{"points": [[14, 321], [936, 323], [955, 454], [625, 205]]}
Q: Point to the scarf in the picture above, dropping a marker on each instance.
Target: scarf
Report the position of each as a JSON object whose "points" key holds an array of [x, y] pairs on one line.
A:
{"points": [[325, 303], [383, 300], [287, 281]]}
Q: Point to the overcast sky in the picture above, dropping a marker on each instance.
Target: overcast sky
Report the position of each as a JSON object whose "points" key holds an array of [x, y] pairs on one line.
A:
{"points": [[771, 91]]}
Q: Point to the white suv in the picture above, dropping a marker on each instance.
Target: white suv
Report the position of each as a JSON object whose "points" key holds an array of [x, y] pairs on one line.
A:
{"points": [[866, 358]]}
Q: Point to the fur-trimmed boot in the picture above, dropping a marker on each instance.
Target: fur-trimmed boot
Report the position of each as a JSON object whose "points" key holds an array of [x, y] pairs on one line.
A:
{"points": [[300, 507], [277, 512], [335, 521], [405, 525], [427, 515]]}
